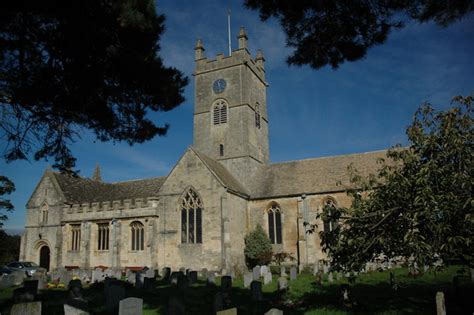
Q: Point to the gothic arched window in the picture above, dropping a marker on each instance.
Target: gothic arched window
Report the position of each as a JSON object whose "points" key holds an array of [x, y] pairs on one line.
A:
{"points": [[329, 224], [257, 116], [137, 231], [219, 112], [274, 223], [191, 217]]}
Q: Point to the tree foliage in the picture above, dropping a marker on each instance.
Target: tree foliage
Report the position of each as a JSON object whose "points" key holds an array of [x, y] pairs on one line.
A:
{"points": [[419, 205], [258, 248], [6, 188], [9, 247], [331, 32], [70, 66]]}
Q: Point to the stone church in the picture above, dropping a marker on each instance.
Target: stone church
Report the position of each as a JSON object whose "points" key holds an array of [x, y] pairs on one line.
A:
{"points": [[219, 190]]}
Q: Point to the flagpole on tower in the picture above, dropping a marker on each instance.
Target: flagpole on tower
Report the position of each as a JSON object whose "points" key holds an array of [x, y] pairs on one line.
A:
{"points": [[228, 28]]}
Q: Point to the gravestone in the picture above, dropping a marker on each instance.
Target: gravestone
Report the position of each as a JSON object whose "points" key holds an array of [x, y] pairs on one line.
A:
{"points": [[74, 294], [192, 276], [440, 304], [282, 283], [149, 283], [108, 273], [150, 273], [325, 268], [19, 276], [282, 272], [65, 277], [256, 272], [131, 306], [211, 278], [267, 278], [330, 277], [32, 308], [248, 278], [293, 273], [21, 295], [263, 270], [6, 281], [316, 267], [182, 270], [338, 276], [226, 283], [182, 282], [31, 286], [42, 280], [113, 295], [166, 272], [319, 278], [256, 290], [71, 310], [274, 311], [131, 278], [218, 303], [204, 273], [139, 279], [174, 277], [97, 275], [230, 311], [176, 306]]}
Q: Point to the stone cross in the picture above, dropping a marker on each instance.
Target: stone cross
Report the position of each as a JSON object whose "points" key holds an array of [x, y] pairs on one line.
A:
{"points": [[131, 306]]}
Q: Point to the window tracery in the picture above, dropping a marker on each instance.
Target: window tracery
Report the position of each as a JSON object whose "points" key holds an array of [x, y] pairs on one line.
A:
{"points": [[191, 217]]}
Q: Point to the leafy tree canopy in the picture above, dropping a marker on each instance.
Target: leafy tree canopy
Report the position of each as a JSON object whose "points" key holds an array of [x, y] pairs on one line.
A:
{"points": [[331, 32], [70, 66], [6, 188], [258, 248], [420, 204]]}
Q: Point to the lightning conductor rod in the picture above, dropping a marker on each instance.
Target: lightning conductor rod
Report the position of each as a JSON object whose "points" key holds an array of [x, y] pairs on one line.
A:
{"points": [[228, 29]]}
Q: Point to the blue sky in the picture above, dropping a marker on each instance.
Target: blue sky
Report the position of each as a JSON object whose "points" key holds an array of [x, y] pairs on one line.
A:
{"points": [[362, 106]]}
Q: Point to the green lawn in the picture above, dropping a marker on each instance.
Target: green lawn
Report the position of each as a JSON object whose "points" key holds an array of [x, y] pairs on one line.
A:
{"points": [[371, 292]]}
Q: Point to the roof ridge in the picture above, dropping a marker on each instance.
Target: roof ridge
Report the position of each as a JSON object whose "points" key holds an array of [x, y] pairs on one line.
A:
{"points": [[328, 157], [138, 179]]}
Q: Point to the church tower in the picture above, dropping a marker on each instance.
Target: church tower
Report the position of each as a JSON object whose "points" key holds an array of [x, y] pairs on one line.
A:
{"points": [[230, 111]]}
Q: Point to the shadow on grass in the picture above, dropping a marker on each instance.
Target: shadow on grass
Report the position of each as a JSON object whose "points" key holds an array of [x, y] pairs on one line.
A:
{"points": [[372, 293]]}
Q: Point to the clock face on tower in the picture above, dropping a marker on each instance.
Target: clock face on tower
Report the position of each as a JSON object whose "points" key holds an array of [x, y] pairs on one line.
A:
{"points": [[219, 86]]}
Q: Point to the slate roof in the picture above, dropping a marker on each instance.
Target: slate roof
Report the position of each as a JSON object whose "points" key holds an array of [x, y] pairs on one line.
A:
{"points": [[81, 190], [227, 179], [318, 175]]}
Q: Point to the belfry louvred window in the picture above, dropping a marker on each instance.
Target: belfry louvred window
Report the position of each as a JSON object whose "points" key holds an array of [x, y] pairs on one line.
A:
{"points": [[257, 116], [191, 217], [219, 112], [274, 224]]}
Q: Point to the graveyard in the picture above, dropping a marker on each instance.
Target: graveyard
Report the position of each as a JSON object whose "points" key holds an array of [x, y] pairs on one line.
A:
{"points": [[262, 291]]}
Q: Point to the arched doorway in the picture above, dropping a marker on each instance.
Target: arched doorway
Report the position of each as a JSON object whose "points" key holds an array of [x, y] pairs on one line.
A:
{"points": [[44, 257]]}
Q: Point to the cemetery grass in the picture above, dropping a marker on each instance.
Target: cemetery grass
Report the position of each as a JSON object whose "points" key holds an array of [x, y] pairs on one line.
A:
{"points": [[371, 291]]}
